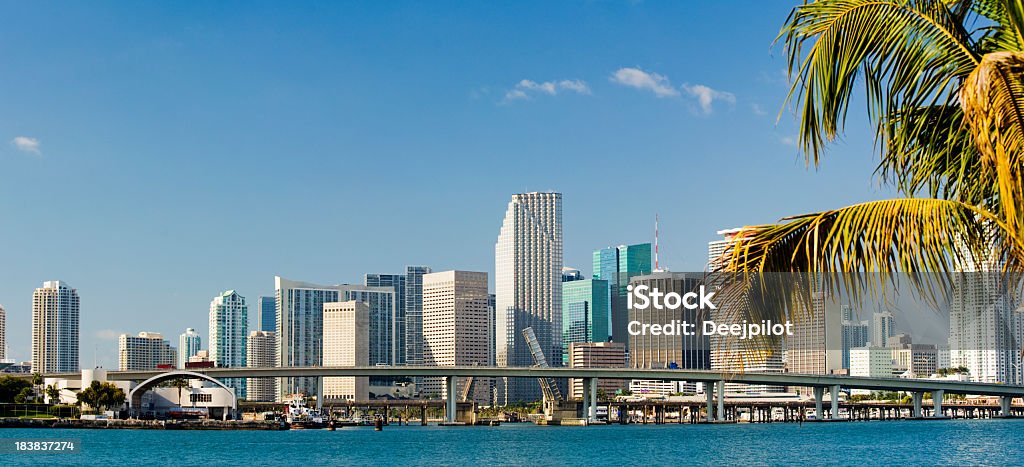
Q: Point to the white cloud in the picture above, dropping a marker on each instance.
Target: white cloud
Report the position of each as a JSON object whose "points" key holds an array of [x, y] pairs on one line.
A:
{"points": [[527, 88], [757, 110], [26, 144], [640, 79], [707, 96], [788, 140]]}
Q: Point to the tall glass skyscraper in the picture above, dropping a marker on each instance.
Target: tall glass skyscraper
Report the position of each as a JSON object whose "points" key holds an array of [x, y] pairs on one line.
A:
{"points": [[189, 344], [229, 328], [266, 314], [528, 286], [414, 313], [397, 284], [618, 265], [55, 324], [586, 313]]}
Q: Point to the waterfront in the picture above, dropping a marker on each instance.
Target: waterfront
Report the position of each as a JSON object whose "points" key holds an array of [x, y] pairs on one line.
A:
{"points": [[947, 442]]}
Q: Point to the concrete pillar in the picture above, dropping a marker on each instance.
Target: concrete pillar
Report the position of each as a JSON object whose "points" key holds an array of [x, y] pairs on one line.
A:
{"points": [[592, 414], [320, 394], [1004, 405], [721, 401], [709, 390], [937, 397], [450, 415], [916, 397], [835, 402], [819, 393]]}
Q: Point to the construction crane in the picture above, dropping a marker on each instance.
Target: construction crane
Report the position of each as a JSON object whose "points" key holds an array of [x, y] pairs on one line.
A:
{"points": [[547, 385]]}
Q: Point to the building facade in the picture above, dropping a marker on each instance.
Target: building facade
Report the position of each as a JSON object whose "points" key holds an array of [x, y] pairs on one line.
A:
{"points": [[146, 351], [414, 314], [597, 355], [189, 343], [266, 314], [261, 352], [3, 333], [455, 307], [397, 333], [618, 265], [648, 350], [528, 288], [229, 328], [55, 327], [986, 323], [871, 362], [883, 327], [346, 334], [855, 334], [816, 346], [586, 313]]}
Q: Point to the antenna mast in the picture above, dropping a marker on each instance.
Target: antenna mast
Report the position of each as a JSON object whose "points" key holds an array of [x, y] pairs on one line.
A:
{"points": [[656, 266]]}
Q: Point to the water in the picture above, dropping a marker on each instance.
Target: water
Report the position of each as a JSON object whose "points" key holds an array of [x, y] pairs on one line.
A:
{"points": [[949, 442]]}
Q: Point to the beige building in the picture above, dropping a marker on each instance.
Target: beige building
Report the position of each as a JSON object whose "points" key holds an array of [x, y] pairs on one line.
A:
{"points": [[261, 352], [597, 355], [346, 343], [816, 346], [146, 351], [455, 321], [55, 309]]}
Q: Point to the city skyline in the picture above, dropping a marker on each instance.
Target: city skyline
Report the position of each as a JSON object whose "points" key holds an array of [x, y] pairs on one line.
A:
{"points": [[139, 196]]}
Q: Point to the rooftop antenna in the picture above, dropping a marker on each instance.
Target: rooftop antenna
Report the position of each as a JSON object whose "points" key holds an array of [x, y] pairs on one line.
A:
{"points": [[656, 266]]}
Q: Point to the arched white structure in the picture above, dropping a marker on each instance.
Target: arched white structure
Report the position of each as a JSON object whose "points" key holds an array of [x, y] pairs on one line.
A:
{"points": [[135, 396]]}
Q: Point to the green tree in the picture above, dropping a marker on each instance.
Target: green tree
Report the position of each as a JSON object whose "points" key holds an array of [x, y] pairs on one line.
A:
{"points": [[101, 396], [179, 383], [11, 387], [53, 393], [945, 92]]}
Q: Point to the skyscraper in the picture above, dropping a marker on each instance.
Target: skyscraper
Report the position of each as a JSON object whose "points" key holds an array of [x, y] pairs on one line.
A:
{"points": [[189, 343], [618, 265], [266, 314], [55, 308], [816, 346], [146, 351], [229, 327], [455, 305], [883, 326], [261, 352], [346, 335], [300, 328], [3, 333], [397, 283], [414, 314], [528, 276], [586, 313], [663, 351], [855, 334]]}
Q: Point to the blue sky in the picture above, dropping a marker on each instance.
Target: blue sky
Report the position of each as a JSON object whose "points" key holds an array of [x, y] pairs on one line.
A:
{"points": [[155, 154]]}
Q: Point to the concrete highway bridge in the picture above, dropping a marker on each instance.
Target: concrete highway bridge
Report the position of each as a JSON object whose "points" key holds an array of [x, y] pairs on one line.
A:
{"points": [[590, 376]]}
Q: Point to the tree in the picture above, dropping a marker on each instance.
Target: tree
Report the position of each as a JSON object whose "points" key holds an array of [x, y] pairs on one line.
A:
{"points": [[101, 396], [11, 387], [53, 393], [945, 92], [179, 383]]}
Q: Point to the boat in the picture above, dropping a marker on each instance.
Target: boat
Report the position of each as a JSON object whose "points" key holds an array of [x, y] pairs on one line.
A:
{"points": [[299, 416]]}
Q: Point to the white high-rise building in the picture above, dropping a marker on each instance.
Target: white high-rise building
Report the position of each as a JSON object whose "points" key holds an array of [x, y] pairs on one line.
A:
{"points": [[455, 308], [872, 362], [55, 308], [346, 337], [3, 333], [986, 324], [300, 326], [146, 351], [883, 326], [189, 343], [528, 288], [229, 327], [816, 346], [261, 352]]}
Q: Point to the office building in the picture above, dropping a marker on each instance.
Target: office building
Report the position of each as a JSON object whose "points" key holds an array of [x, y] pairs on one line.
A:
{"points": [[855, 334], [146, 351], [346, 335], [55, 325], [816, 347], [871, 362], [3, 333], [648, 350], [455, 305], [883, 326], [618, 265], [914, 360], [189, 343], [586, 313], [300, 327], [413, 300], [597, 355], [261, 352], [528, 288], [266, 314], [229, 328]]}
